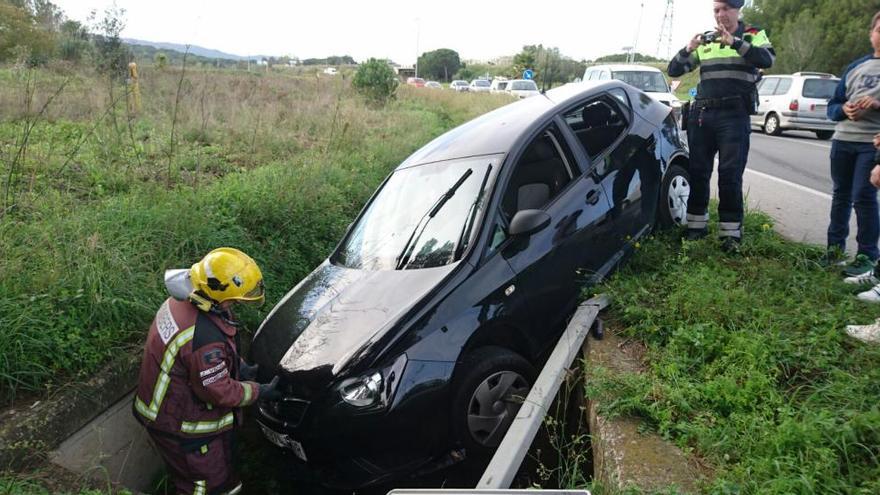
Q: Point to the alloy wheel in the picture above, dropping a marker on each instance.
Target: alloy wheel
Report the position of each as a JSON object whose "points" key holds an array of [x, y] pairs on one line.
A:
{"points": [[772, 125], [493, 406], [677, 199]]}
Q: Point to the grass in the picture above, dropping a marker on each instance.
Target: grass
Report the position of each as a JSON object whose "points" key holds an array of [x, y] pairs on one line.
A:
{"points": [[101, 201], [748, 364]]}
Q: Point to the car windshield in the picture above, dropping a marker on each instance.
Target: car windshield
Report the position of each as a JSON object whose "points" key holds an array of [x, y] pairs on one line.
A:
{"points": [[524, 86], [820, 88], [482, 83], [398, 230], [647, 81]]}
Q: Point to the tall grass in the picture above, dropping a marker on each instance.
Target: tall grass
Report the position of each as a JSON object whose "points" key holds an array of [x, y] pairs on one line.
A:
{"points": [[274, 164], [748, 364]]}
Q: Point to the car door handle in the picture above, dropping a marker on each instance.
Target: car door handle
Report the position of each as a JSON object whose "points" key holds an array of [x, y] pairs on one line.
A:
{"points": [[593, 197]]}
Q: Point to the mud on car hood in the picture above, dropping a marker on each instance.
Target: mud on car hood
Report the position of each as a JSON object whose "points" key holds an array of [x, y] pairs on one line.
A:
{"points": [[333, 315]]}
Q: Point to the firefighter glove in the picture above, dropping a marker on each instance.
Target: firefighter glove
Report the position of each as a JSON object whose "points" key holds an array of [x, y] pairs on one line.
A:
{"points": [[269, 391], [248, 372]]}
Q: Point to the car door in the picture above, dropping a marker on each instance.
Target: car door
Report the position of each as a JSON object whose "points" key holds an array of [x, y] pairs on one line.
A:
{"points": [[622, 153], [552, 264], [766, 88]]}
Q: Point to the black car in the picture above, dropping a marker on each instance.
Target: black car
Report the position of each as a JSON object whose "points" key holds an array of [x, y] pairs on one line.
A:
{"points": [[413, 344]]}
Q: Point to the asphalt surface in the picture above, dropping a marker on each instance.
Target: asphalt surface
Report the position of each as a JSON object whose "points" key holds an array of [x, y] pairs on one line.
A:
{"points": [[789, 178]]}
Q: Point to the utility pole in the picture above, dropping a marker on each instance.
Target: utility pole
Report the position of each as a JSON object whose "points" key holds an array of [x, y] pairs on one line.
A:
{"points": [[666, 29], [417, 46], [631, 57]]}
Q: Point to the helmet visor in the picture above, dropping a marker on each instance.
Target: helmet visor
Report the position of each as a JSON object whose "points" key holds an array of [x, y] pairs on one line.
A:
{"points": [[257, 294]]}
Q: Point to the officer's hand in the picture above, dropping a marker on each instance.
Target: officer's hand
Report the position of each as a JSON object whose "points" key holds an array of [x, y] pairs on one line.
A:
{"points": [[875, 176], [724, 37], [695, 42], [269, 391], [248, 372]]}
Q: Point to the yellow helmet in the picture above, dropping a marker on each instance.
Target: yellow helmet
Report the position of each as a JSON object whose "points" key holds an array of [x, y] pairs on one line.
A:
{"points": [[227, 274]]}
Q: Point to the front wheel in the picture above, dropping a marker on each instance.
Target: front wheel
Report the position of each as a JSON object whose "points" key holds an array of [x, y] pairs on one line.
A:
{"points": [[490, 386], [674, 193], [824, 135]]}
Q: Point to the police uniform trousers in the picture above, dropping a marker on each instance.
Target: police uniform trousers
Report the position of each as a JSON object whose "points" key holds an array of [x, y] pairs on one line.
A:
{"points": [[198, 466], [724, 131]]}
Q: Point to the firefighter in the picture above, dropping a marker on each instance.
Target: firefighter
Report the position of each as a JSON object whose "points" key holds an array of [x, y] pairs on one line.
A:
{"points": [[192, 383], [729, 59]]}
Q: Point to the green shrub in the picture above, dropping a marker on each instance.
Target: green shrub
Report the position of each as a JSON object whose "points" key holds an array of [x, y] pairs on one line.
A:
{"points": [[376, 80]]}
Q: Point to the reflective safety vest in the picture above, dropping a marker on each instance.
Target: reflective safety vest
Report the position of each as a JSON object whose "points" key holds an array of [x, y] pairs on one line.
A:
{"points": [[188, 383], [728, 70]]}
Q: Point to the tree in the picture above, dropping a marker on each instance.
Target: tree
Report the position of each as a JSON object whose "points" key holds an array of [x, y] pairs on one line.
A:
{"points": [[74, 41], [376, 80], [439, 64], [112, 56], [160, 60], [19, 34]]}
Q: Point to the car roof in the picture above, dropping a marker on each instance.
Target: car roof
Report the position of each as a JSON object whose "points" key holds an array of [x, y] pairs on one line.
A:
{"points": [[626, 68], [497, 131]]}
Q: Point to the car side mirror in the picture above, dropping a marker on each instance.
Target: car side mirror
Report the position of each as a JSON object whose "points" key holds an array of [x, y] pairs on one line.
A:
{"points": [[528, 222]]}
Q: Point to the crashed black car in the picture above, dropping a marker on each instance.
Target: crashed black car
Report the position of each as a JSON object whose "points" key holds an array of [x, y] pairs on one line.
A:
{"points": [[414, 343]]}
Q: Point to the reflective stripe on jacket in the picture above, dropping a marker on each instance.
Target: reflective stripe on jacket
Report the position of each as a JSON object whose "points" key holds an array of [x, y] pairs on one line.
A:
{"points": [[727, 70], [188, 378]]}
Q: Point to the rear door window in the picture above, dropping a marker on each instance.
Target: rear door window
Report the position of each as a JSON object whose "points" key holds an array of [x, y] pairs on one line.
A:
{"points": [[768, 86], [783, 87], [597, 124]]}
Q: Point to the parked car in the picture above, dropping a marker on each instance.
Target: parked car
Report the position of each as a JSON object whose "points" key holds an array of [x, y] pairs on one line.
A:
{"points": [[523, 88], [330, 71], [796, 102], [499, 85], [415, 81], [459, 85], [433, 85], [480, 86], [648, 79], [412, 345]]}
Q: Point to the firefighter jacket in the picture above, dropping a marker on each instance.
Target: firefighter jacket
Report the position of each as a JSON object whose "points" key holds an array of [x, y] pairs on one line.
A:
{"points": [[727, 70], [187, 385]]}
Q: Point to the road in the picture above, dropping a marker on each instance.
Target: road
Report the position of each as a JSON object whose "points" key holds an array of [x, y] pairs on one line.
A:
{"points": [[788, 177]]}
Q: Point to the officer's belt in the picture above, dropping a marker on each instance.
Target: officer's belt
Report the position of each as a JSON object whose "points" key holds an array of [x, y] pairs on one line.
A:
{"points": [[726, 102]]}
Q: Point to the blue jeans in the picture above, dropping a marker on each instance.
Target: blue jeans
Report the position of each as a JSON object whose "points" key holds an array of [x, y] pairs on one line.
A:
{"points": [[851, 165]]}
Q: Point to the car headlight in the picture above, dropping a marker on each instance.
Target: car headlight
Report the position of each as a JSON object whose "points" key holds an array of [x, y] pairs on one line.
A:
{"points": [[375, 388]]}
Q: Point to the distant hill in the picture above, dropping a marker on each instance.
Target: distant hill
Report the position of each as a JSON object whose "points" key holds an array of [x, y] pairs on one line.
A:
{"points": [[193, 49]]}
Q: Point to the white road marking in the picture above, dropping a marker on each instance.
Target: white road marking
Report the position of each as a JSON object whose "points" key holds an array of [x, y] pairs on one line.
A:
{"points": [[791, 184], [790, 141]]}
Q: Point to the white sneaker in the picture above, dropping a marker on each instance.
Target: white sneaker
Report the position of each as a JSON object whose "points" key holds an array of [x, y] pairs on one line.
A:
{"points": [[866, 278], [865, 333], [871, 296]]}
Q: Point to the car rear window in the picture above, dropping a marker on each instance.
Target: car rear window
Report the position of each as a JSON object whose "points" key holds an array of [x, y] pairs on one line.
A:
{"points": [[524, 86], [482, 83], [820, 88]]}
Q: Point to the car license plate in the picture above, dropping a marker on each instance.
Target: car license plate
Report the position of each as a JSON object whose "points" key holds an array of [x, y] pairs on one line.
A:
{"points": [[284, 441]]}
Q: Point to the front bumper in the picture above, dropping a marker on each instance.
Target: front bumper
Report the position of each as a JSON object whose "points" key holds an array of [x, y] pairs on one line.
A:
{"points": [[346, 448]]}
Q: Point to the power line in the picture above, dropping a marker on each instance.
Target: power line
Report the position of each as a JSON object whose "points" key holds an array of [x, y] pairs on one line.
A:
{"points": [[666, 29]]}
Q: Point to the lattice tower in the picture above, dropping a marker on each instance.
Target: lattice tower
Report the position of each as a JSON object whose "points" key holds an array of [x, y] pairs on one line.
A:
{"points": [[666, 30]]}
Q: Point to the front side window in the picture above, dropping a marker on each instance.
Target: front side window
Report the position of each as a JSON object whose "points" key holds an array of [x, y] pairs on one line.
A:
{"points": [[424, 216], [647, 81], [768, 86]]}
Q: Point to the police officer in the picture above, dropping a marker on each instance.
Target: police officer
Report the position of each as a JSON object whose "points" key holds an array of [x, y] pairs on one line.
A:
{"points": [[718, 121], [192, 383]]}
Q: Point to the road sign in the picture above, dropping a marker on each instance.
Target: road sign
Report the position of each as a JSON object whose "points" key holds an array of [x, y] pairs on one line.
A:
{"points": [[528, 74], [693, 92]]}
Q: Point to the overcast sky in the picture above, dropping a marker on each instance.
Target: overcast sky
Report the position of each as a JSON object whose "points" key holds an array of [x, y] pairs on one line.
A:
{"points": [[479, 30]]}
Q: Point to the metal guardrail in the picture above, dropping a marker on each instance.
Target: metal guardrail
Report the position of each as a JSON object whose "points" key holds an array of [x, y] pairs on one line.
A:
{"points": [[506, 462]]}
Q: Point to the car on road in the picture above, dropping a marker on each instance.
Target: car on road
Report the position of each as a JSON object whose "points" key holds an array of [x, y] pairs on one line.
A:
{"points": [[415, 81], [459, 85], [413, 344], [433, 85], [797, 101], [480, 86], [499, 85], [523, 88], [648, 79]]}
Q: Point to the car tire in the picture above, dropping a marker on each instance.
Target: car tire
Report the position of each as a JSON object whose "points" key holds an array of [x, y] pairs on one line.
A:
{"points": [[824, 135], [772, 126], [674, 193], [488, 390]]}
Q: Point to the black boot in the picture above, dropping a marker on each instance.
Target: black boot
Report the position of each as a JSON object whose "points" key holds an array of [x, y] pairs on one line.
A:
{"points": [[695, 234], [730, 245]]}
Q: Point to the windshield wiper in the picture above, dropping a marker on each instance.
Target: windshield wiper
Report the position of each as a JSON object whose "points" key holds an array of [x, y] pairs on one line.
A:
{"points": [[465, 235], [410, 245]]}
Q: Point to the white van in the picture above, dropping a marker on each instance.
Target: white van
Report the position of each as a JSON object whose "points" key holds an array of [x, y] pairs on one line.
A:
{"points": [[644, 77]]}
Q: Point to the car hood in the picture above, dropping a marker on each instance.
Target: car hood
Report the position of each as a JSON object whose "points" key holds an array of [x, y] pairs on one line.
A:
{"points": [[333, 315], [667, 98]]}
